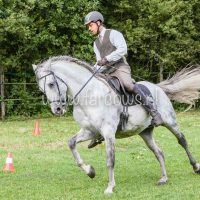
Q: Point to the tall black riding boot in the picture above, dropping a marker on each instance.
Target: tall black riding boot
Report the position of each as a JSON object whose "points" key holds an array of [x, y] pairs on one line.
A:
{"points": [[149, 106]]}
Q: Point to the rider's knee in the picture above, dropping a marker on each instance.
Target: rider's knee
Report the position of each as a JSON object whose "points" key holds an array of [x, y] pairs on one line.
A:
{"points": [[129, 87]]}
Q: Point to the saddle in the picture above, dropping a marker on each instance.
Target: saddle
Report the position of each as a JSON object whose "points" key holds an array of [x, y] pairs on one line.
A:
{"points": [[127, 98]]}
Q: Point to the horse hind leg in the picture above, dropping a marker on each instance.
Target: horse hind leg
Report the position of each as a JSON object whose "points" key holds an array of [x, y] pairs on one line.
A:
{"points": [[147, 136], [183, 142]]}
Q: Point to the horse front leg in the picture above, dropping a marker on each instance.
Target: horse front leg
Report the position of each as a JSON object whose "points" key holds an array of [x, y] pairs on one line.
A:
{"points": [[82, 135], [110, 154]]}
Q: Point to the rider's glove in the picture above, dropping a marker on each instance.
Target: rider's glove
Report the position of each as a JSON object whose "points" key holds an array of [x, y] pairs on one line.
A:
{"points": [[99, 68], [102, 62]]}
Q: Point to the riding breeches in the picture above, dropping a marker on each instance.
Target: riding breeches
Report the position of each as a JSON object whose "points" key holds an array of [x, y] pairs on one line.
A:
{"points": [[123, 73]]}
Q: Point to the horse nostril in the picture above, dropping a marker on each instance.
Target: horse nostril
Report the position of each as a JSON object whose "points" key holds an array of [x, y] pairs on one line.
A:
{"points": [[58, 109]]}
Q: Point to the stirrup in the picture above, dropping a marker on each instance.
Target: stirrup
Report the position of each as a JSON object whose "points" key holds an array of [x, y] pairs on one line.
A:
{"points": [[95, 142]]}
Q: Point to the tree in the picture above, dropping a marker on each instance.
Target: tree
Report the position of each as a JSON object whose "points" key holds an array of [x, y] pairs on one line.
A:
{"points": [[159, 33], [33, 30]]}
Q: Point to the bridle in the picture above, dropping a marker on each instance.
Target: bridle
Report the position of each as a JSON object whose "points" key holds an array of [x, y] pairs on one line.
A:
{"points": [[56, 82], [57, 77]]}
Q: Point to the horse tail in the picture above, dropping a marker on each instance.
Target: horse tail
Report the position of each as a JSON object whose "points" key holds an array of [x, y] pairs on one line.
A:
{"points": [[184, 86]]}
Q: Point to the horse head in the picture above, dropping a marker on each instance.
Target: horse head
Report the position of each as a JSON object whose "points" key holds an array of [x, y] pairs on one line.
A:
{"points": [[52, 86]]}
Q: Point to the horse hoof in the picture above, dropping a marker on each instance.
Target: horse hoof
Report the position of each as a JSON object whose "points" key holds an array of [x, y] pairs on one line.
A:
{"points": [[91, 172], [197, 169], [108, 191], [162, 181]]}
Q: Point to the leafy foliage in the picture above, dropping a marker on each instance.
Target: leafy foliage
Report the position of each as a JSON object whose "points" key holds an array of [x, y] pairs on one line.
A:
{"points": [[159, 33]]}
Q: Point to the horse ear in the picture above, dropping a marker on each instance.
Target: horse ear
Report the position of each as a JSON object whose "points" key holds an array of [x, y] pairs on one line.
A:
{"points": [[34, 67]]}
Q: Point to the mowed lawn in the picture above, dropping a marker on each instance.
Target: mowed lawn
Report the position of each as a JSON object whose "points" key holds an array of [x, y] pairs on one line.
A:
{"points": [[45, 168]]}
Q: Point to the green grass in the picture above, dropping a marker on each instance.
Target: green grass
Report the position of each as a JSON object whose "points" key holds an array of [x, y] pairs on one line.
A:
{"points": [[45, 168]]}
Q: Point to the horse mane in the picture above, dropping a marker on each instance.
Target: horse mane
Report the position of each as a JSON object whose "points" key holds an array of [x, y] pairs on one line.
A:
{"points": [[99, 76], [68, 59]]}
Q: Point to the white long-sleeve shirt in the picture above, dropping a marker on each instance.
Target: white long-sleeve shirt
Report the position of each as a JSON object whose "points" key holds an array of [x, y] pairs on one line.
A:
{"points": [[117, 40]]}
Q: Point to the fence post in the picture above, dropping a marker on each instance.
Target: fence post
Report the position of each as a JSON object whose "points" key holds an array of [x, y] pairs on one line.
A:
{"points": [[2, 94], [161, 72]]}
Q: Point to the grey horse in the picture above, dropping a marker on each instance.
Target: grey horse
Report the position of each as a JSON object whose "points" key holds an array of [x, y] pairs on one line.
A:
{"points": [[97, 108]]}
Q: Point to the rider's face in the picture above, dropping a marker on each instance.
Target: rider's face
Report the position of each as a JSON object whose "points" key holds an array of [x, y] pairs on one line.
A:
{"points": [[93, 28]]}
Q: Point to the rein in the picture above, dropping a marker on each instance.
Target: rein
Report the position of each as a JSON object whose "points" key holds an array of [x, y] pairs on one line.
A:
{"points": [[57, 77], [86, 83]]}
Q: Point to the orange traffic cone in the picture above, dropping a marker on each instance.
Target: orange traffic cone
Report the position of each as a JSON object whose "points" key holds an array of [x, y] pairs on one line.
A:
{"points": [[9, 167], [37, 129]]}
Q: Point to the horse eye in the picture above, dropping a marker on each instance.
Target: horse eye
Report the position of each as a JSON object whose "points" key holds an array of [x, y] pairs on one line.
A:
{"points": [[51, 85]]}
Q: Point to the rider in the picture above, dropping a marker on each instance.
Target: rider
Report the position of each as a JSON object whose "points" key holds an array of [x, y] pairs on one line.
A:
{"points": [[110, 48]]}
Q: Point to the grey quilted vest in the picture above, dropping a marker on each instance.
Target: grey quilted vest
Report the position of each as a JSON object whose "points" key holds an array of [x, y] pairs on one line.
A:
{"points": [[105, 48]]}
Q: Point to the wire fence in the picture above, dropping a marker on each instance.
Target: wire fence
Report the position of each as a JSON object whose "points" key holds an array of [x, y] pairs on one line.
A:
{"points": [[6, 99]]}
